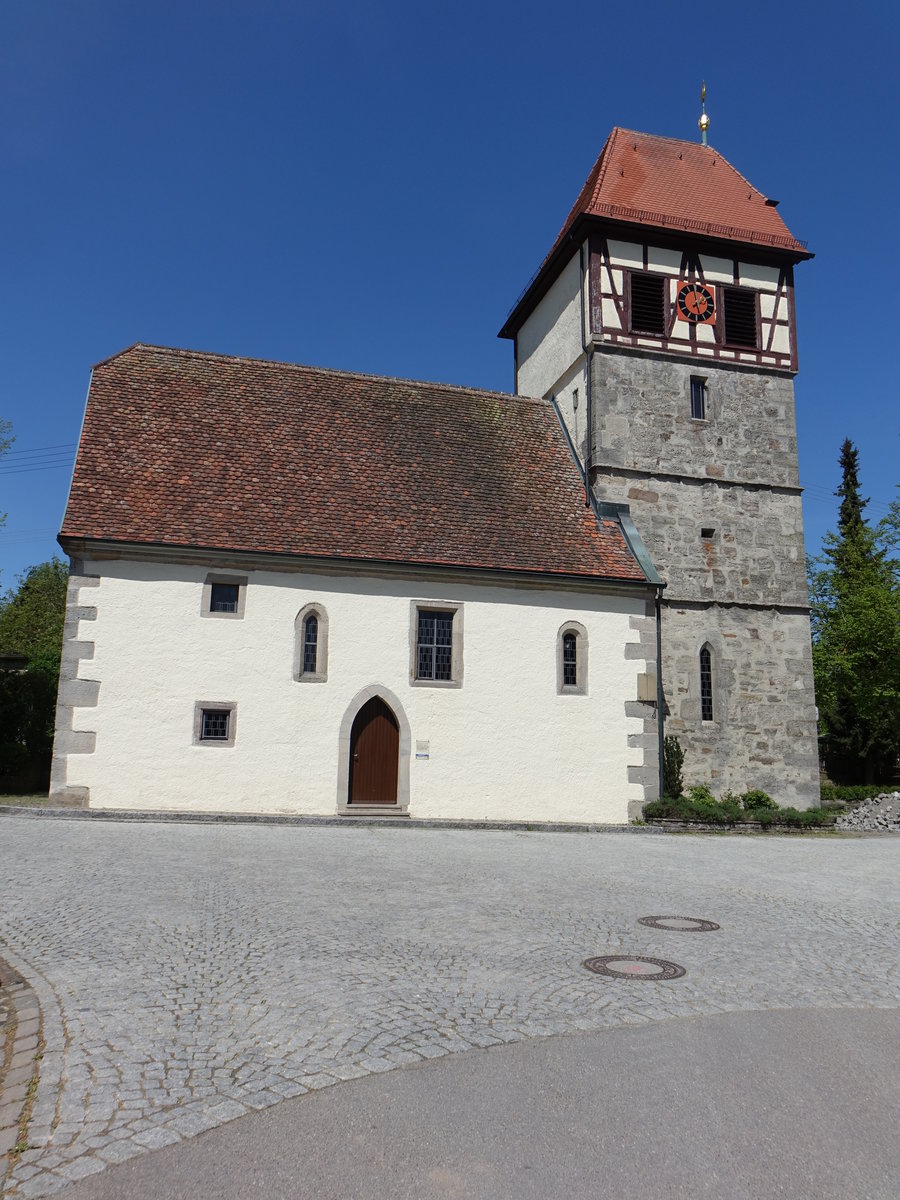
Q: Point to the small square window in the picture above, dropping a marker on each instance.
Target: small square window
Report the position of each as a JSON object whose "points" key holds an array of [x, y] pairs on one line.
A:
{"points": [[223, 597], [215, 723], [698, 398], [707, 532]]}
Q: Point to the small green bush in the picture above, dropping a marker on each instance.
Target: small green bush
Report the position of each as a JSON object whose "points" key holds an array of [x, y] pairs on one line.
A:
{"points": [[669, 808], [763, 816], [809, 818], [701, 806], [839, 794], [756, 800], [701, 793]]}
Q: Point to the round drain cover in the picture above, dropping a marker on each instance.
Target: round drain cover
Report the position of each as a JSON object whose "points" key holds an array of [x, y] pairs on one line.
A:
{"points": [[679, 924], [633, 966]]}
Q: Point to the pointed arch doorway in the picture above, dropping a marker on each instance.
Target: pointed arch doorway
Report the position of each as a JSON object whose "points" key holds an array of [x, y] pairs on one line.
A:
{"points": [[374, 755]]}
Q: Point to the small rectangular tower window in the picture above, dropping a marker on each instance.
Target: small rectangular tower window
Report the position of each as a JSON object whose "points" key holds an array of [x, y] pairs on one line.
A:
{"points": [[648, 304], [740, 318], [698, 398]]}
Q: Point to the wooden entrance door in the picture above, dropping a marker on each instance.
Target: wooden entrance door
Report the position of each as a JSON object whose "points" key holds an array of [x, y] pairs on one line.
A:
{"points": [[374, 754]]}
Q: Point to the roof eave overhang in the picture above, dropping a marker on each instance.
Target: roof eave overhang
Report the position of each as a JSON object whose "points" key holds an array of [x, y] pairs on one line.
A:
{"points": [[163, 552], [586, 224]]}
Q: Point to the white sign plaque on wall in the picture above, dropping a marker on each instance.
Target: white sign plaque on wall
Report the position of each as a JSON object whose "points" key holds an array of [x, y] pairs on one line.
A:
{"points": [[422, 750]]}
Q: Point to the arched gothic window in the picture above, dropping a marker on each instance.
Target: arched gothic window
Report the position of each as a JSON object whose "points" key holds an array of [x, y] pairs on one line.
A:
{"points": [[571, 659], [706, 685], [311, 644]]}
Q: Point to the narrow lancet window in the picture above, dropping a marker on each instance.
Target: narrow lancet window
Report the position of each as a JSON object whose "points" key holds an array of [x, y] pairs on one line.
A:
{"points": [[706, 699], [570, 660], [310, 644]]}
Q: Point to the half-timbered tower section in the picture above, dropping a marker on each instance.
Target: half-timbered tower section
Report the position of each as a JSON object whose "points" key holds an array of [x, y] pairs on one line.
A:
{"points": [[662, 322]]}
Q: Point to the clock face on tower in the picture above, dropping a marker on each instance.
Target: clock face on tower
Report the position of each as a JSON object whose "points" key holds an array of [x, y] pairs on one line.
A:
{"points": [[696, 303]]}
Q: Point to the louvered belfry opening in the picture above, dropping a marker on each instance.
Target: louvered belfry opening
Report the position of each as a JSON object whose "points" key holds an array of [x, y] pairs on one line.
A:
{"points": [[648, 304], [740, 318]]}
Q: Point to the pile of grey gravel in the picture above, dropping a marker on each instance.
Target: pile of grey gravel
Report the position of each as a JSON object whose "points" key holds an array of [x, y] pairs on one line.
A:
{"points": [[876, 815]]}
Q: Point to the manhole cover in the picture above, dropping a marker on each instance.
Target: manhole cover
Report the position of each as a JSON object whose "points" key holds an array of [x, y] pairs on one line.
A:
{"points": [[681, 924], [633, 966]]}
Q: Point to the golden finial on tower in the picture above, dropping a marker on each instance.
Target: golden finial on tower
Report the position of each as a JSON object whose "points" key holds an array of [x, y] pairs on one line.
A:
{"points": [[704, 119]]}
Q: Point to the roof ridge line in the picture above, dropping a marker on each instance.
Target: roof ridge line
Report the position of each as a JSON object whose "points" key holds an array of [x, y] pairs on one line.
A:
{"points": [[609, 144], [661, 137], [181, 352]]}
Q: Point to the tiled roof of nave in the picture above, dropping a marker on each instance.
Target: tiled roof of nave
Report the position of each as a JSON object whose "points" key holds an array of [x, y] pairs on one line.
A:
{"points": [[199, 450]]}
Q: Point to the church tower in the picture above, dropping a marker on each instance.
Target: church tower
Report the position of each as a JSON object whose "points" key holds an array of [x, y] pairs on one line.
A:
{"points": [[662, 325]]}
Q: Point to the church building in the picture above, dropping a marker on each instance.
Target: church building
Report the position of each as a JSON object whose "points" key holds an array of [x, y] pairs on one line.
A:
{"points": [[299, 590]]}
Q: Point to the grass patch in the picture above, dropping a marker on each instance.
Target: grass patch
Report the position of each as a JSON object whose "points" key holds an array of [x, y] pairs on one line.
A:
{"points": [[33, 801]]}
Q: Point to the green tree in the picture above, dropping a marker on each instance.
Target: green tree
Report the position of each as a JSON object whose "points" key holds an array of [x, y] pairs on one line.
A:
{"points": [[855, 612], [32, 615], [31, 624]]}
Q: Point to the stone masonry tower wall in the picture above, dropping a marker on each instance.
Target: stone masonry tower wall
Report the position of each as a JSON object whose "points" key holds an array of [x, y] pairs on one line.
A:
{"points": [[730, 547]]}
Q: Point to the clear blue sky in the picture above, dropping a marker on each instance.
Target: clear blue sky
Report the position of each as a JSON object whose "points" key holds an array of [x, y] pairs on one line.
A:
{"points": [[369, 186]]}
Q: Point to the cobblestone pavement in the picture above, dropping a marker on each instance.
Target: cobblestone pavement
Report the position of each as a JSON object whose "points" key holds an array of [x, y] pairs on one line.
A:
{"points": [[190, 974], [20, 1051]]}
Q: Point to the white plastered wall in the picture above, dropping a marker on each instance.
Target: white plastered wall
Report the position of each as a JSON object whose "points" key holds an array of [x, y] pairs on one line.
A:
{"points": [[550, 340], [504, 745]]}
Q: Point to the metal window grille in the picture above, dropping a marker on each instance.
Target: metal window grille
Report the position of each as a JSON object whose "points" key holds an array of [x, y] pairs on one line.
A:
{"points": [[648, 306], [310, 645], [698, 398], [434, 643], [215, 725], [570, 660], [706, 703], [740, 318], [223, 597]]}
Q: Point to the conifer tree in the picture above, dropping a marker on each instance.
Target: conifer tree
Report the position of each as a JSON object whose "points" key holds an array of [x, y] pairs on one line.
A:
{"points": [[855, 599]]}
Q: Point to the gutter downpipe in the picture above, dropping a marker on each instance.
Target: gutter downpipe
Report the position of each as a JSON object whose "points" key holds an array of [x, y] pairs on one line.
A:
{"points": [[588, 403], [660, 699]]}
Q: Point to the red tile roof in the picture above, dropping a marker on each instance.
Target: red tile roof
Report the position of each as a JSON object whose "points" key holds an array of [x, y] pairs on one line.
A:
{"points": [[201, 450], [667, 183], [672, 184]]}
